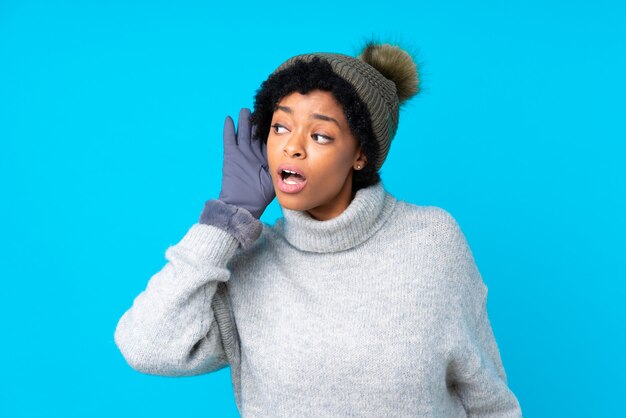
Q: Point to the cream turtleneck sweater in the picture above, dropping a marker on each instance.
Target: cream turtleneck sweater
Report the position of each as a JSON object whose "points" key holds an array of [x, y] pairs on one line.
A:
{"points": [[379, 312]]}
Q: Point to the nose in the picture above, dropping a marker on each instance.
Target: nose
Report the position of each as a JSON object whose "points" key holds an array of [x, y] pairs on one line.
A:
{"points": [[295, 146]]}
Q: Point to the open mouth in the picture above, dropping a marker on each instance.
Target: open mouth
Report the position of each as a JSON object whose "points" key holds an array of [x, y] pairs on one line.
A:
{"points": [[291, 177]]}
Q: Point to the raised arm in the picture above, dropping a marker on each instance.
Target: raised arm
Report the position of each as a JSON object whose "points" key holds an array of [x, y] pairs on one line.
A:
{"points": [[181, 323], [172, 327]]}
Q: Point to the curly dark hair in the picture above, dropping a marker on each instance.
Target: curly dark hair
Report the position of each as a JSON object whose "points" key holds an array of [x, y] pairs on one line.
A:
{"points": [[317, 74]]}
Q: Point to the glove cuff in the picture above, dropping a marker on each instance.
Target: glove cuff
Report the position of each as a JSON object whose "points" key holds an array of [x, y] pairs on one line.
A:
{"points": [[235, 220]]}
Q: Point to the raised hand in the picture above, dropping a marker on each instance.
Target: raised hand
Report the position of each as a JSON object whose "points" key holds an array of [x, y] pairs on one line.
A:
{"points": [[246, 181]]}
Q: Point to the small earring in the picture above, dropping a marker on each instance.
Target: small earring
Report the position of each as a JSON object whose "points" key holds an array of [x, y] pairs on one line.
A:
{"points": [[358, 167]]}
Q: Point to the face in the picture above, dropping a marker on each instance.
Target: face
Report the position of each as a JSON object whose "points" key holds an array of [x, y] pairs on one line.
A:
{"points": [[310, 137]]}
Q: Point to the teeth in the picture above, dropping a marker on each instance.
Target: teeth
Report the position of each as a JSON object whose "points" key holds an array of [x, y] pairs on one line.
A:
{"points": [[289, 180]]}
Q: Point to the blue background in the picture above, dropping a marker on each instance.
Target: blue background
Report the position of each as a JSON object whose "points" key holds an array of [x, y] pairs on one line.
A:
{"points": [[110, 127]]}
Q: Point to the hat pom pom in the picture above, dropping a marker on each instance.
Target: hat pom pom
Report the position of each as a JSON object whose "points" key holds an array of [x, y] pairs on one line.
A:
{"points": [[394, 64]]}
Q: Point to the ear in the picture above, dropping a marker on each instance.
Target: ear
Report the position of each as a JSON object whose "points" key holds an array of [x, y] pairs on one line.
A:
{"points": [[360, 159]]}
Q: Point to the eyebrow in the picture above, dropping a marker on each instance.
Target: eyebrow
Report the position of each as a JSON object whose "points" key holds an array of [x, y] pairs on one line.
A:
{"points": [[326, 118], [285, 109], [319, 116]]}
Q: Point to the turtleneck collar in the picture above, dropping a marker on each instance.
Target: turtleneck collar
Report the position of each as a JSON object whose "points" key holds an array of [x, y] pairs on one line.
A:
{"points": [[366, 213]]}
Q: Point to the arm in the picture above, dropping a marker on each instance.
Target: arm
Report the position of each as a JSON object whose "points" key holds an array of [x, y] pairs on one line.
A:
{"points": [[181, 324], [480, 379], [174, 327], [475, 370]]}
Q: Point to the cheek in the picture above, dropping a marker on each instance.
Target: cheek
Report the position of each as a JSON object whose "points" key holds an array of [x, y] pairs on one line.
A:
{"points": [[270, 146], [335, 167], [272, 155], [343, 161]]}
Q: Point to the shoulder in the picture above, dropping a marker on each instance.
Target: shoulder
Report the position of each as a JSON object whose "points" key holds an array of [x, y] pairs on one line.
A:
{"points": [[436, 231], [436, 223]]}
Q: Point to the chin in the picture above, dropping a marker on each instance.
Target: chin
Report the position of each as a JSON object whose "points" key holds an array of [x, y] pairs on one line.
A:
{"points": [[292, 202]]}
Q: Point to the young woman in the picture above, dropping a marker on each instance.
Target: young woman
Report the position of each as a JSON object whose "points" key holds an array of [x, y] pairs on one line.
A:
{"points": [[352, 304]]}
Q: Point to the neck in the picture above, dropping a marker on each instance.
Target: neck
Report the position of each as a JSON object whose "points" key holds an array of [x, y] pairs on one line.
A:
{"points": [[366, 213], [335, 208], [327, 213]]}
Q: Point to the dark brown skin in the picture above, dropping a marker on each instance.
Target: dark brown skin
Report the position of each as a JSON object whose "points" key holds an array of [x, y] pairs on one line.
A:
{"points": [[311, 132]]}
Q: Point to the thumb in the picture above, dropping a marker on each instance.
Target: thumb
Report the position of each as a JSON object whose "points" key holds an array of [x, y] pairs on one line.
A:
{"points": [[267, 185]]}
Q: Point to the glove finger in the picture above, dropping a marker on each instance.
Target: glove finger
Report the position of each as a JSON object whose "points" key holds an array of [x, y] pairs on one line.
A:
{"points": [[258, 147], [244, 135], [266, 185], [243, 127], [253, 133], [264, 151], [229, 136]]}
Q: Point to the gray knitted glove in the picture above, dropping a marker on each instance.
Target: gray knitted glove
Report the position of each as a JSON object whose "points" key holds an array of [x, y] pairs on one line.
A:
{"points": [[246, 181]]}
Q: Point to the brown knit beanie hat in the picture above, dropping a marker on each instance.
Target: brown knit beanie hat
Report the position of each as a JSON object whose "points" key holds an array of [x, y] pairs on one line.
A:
{"points": [[384, 77]]}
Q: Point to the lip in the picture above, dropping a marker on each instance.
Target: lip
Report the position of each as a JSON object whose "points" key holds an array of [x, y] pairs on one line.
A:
{"points": [[290, 188]]}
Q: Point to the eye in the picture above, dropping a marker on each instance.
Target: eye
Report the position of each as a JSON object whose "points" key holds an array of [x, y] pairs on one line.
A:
{"points": [[322, 139], [279, 129]]}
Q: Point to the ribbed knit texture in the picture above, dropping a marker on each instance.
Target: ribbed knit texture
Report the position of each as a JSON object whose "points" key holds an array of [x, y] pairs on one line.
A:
{"points": [[377, 92], [379, 312]]}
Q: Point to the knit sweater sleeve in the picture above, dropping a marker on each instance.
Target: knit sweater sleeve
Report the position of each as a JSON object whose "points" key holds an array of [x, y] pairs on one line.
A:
{"points": [[476, 370], [482, 383], [181, 323]]}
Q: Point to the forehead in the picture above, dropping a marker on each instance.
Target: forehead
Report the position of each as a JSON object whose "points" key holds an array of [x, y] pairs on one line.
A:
{"points": [[312, 102]]}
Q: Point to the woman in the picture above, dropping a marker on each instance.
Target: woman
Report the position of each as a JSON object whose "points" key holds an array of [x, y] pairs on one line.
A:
{"points": [[352, 304]]}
